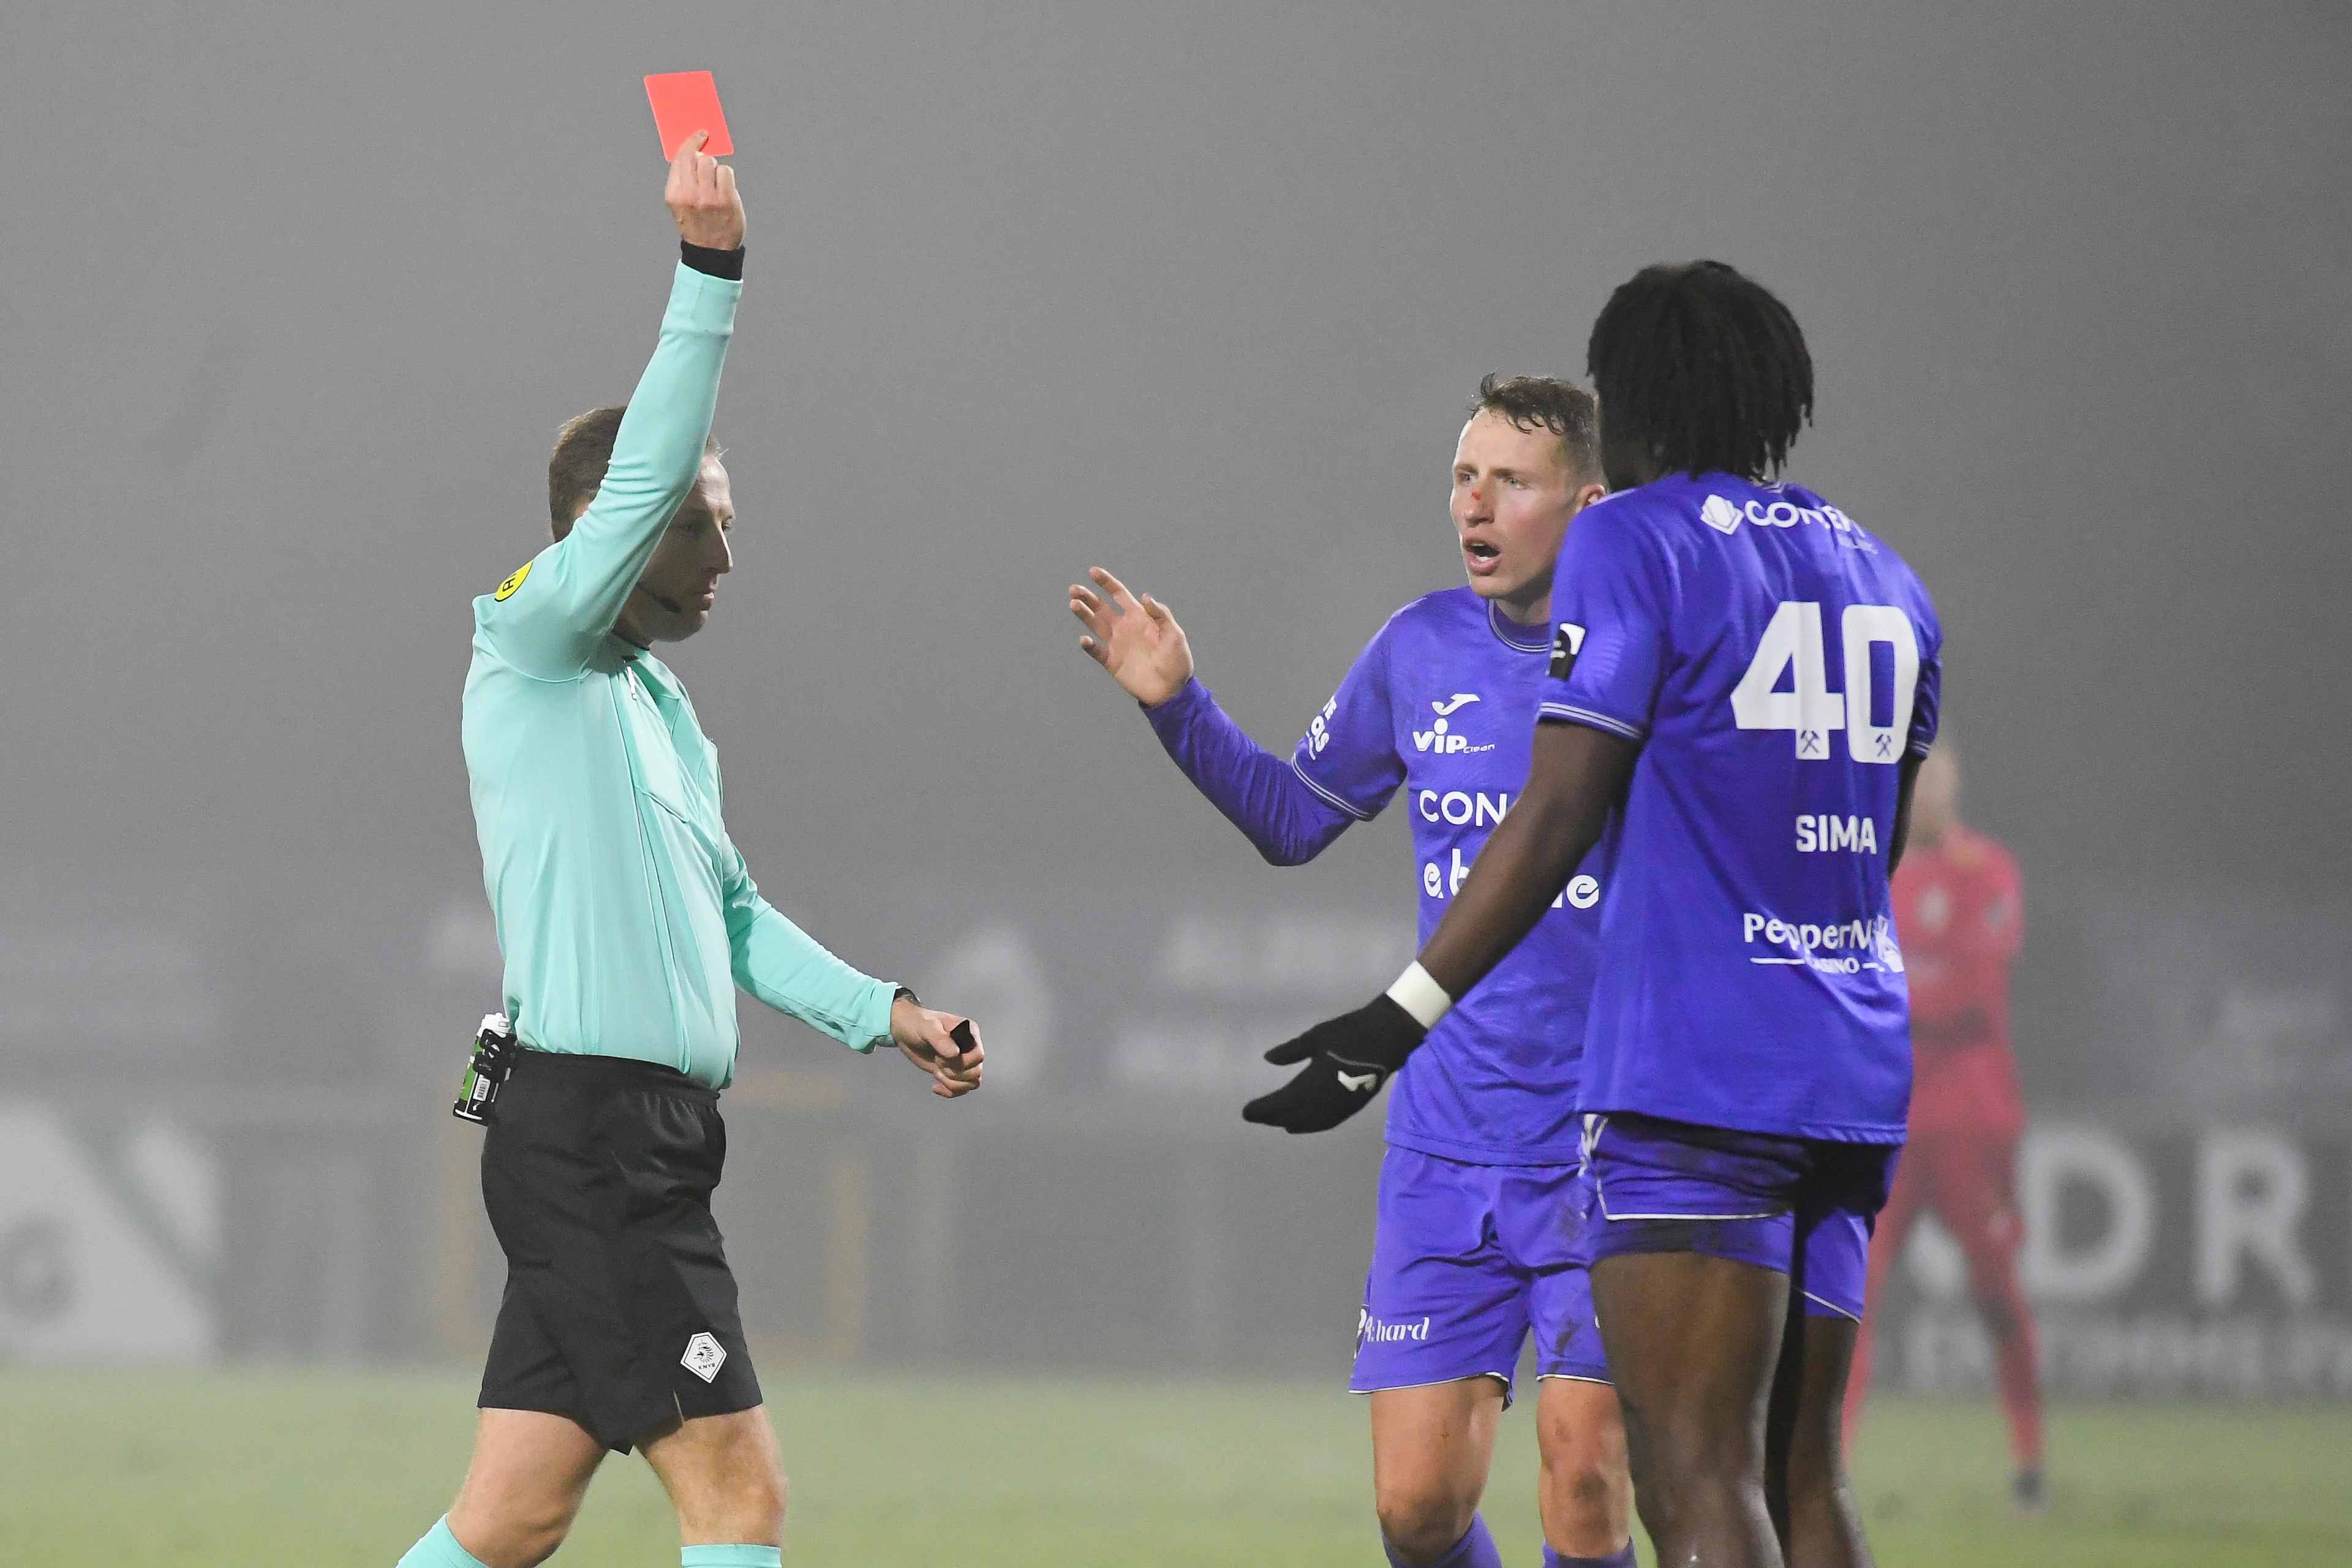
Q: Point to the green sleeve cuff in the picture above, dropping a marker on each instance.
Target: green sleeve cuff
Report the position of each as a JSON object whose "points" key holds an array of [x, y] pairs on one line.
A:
{"points": [[874, 1018], [701, 303]]}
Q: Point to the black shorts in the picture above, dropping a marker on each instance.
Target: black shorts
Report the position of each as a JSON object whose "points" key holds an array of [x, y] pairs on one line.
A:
{"points": [[620, 1309]]}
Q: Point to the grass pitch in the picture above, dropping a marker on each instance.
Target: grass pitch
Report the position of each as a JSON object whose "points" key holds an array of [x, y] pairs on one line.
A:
{"points": [[276, 1470]]}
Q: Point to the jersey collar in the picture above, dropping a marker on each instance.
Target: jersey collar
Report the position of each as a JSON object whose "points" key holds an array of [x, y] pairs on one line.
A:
{"points": [[1503, 626]]}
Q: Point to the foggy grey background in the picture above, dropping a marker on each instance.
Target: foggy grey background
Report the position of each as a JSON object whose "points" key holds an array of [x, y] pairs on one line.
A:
{"points": [[293, 303]]}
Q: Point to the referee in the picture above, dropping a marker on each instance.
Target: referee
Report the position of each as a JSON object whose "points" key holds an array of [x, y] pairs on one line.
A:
{"points": [[627, 917]]}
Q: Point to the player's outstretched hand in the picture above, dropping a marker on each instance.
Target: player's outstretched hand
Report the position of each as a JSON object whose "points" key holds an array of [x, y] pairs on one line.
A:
{"points": [[944, 1044], [1348, 1058], [1137, 640], [701, 197]]}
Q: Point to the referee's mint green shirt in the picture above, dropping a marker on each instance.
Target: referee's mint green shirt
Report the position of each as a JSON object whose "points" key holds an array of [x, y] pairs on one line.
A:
{"points": [[624, 913]]}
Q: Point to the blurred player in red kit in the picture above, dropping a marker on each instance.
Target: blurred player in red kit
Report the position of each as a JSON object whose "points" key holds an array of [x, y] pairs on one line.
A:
{"points": [[1960, 914]]}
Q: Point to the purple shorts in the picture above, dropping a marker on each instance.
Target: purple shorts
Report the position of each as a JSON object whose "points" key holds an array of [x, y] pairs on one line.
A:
{"points": [[1802, 1206], [1467, 1259]]}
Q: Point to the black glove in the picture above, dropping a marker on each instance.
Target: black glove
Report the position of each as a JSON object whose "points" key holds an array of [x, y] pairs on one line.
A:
{"points": [[1348, 1058]]}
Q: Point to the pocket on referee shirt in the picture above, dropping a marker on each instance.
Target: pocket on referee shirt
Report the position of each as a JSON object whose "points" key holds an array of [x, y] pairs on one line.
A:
{"points": [[658, 777], [671, 820]]}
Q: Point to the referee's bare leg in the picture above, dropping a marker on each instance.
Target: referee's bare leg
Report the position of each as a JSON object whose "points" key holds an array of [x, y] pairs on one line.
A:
{"points": [[530, 1471], [524, 1487]]}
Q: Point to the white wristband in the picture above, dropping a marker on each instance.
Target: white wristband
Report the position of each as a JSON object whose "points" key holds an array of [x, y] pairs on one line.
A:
{"points": [[1420, 996]]}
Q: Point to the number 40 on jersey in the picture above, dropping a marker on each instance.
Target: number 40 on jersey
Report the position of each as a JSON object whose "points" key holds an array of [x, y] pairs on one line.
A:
{"points": [[1881, 676]]}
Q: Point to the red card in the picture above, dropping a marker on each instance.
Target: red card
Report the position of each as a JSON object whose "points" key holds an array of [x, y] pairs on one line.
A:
{"points": [[684, 102]]}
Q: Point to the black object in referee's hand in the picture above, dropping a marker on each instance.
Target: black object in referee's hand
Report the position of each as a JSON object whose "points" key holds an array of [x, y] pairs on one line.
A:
{"points": [[495, 1050]]}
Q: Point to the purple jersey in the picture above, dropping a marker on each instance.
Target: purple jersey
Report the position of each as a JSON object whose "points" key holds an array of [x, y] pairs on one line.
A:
{"points": [[1442, 703], [1776, 663]]}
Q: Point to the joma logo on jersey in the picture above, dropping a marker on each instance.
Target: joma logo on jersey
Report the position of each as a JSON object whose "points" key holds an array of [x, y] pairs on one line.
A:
{"points": [[1437, 738], [1824, 835]]}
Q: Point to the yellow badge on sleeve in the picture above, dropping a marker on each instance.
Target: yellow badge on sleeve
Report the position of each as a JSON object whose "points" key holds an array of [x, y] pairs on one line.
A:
{"points": [[507, 588]]}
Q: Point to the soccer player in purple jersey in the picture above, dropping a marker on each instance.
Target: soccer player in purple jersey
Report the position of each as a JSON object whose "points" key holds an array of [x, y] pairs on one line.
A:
{"points": [[1733, 659], [1483, 1130]]}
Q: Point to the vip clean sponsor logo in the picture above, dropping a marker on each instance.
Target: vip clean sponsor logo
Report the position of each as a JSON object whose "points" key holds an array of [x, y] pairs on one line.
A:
{"points": [[1829, 947], [1371, 1331], [1439, 738], [1724, 515]]}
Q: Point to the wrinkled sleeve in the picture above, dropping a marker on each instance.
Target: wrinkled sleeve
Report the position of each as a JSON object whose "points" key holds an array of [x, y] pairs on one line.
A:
{"points": [[792, 972], [1348, 755], [548, 618], [1271, 803]]}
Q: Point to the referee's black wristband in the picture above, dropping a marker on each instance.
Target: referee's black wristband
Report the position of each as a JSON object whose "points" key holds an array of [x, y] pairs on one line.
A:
{"points": [[909, 993], [728, 263]]}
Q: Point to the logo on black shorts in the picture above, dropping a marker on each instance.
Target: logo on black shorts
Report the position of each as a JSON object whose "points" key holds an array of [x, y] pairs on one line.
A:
{"points": [[703, 1356]]}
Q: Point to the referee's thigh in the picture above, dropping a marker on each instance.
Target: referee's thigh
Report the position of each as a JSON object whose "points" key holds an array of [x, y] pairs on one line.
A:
{"points": [[523, 1486], [724, 1476]]}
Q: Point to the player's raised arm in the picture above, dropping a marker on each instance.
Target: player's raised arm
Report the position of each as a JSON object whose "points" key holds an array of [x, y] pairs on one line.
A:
{"points": [[1140, 645], [1137, 640], [552, 614]]}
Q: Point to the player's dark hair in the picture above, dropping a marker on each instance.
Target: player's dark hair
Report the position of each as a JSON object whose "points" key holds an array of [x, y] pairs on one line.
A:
{"points": [[1547, 403], [584, 451], [1702, 368]]}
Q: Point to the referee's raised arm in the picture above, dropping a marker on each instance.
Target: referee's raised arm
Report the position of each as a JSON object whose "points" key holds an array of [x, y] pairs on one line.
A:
{"points": [[553, 612]]}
